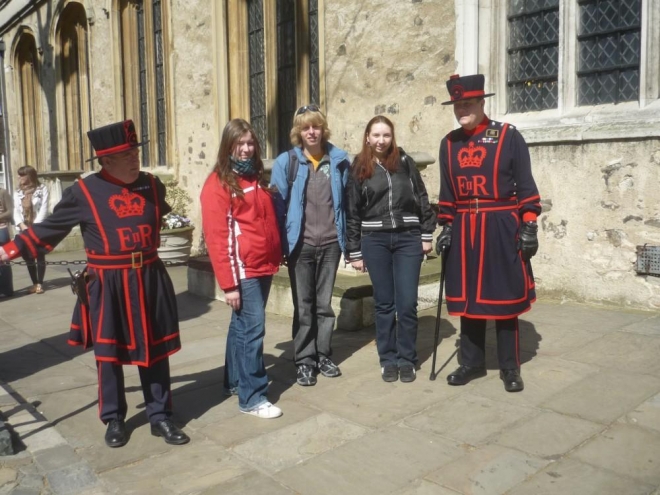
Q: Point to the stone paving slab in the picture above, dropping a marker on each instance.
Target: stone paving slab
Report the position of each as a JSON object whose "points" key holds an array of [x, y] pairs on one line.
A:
{"points": [[205, 464], [469, 418], [377, 463], [646, 415], [638, 452], [605, 396], [424, 487], [629, 352], [570, 477], [252, 483], [491, 470], [549, 435], [298, 442]]}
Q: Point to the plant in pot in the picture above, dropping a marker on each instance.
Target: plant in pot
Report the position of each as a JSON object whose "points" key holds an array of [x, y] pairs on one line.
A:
{"points": [[176, 228]]}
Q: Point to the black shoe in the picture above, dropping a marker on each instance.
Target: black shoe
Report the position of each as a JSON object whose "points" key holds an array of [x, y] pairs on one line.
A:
{"points": [[464, 374], [512, 380], [407, 373], [305, 375], [170, 432], [328, 368], [390, 372], [115, 435]]}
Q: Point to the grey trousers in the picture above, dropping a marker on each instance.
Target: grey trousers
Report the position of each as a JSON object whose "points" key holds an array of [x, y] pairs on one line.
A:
{"points": [[312, 271]]}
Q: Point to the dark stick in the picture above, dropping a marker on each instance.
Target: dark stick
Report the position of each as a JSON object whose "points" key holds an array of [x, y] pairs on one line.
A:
{"points": [[437, 318]]}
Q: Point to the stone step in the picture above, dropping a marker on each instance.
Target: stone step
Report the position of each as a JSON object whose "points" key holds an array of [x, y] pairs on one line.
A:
{"points": [[352, 296]]}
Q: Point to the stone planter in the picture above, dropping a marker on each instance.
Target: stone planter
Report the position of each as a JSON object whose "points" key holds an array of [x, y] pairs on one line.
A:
{"points": [[175, 244]]}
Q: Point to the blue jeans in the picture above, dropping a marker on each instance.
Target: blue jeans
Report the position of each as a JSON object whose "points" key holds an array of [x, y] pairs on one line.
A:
{"points": [[6, 277], [245, 371], [312, 271], [393, 260]]}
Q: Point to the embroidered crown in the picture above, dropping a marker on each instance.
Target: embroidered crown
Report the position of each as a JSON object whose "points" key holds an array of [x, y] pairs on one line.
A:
{"points": [[127, 204], [472, 156]]}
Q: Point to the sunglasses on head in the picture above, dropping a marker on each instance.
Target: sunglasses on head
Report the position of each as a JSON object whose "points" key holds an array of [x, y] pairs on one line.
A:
{"points": [[308, 108]]}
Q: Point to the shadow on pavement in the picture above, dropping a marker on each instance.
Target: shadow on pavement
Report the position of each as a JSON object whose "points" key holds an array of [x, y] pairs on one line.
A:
{"points": [[191, 306]]}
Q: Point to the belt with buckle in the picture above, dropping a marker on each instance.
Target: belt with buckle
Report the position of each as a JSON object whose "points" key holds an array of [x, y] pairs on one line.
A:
{"points": [[136, 259], [477, 205]]}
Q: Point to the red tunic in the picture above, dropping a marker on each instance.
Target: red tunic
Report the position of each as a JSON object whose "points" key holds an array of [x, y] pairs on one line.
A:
{"points": [[486, 188], [132, 316]]}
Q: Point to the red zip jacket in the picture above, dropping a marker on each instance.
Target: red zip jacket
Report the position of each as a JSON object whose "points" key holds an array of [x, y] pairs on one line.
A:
{"points": [[241, 234]]}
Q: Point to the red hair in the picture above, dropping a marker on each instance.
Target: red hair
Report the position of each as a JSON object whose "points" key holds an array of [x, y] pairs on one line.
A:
{"points": [[364, 163]]}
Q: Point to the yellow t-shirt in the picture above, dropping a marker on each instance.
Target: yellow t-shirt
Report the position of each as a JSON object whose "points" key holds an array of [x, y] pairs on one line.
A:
{"points": [[315, 160]]}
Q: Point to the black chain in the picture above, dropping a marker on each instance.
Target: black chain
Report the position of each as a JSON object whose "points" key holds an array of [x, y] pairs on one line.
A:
{"points": [[81, 262]]}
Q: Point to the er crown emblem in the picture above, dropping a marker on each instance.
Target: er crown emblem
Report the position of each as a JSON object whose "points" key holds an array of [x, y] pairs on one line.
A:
{"points": [[127, 204], [472, 156]]}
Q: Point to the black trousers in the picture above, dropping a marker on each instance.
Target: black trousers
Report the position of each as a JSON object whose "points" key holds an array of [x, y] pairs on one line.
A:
{"points": [[36, 268], [155, 382], [473, 342]]}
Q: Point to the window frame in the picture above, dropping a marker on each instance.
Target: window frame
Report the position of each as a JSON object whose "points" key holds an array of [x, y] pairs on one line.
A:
{"points": [[567, 122], [128, 87]]}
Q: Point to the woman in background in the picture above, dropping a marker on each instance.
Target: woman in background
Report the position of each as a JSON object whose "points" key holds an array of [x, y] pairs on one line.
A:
{"points": [[30, 207], [389, 228], [241, 229]]}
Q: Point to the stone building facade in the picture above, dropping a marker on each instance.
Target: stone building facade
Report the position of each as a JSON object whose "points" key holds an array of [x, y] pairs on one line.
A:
{"points": [[182, 68]]}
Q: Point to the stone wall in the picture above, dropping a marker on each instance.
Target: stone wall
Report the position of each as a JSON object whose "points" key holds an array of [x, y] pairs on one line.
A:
{"points": [[390, 58], [601, 200]]}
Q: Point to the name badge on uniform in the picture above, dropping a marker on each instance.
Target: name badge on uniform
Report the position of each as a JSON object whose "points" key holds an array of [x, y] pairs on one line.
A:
{"points": [[492, 133]]}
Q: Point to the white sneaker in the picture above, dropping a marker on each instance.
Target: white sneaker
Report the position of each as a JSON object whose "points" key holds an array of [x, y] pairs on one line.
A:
{"points": [[265, 411]]}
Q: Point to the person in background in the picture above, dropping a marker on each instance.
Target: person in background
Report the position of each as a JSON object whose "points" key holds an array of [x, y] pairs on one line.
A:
{"points": [[6, 215], [241, 230], [126, 307], [389, 228], [311, 179], [30, 207], [488, 207]]}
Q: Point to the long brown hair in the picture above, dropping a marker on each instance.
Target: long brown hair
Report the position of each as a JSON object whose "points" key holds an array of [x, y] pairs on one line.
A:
{"points": [[364, 163], [31, 173], [233, 131]]}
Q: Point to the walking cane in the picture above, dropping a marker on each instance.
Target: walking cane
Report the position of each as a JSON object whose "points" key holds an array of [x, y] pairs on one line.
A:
{"points": [[437, 318]]}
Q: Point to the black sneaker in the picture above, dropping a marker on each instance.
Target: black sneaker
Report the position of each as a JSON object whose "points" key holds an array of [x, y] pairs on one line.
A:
{"points": [[390, 372], [328, 368], [407, 373], [305, 375]]}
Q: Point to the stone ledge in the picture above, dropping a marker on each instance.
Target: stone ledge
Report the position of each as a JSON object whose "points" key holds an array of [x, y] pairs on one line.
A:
{"points": [[352, 296]]}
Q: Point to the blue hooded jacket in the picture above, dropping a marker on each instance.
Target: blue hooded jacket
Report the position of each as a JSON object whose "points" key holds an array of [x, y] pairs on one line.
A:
{"points": [[339, 166]]}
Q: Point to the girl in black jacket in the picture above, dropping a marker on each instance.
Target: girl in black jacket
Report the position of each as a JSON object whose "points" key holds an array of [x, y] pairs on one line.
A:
{"points": [[389, 228]]}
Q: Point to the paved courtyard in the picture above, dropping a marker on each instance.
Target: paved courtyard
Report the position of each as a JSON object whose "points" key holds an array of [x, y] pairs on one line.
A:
{"points": [[588, 421]]}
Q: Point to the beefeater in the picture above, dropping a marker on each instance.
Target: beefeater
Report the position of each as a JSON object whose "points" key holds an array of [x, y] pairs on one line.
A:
{"points": [[488, 208], [130, 310]]}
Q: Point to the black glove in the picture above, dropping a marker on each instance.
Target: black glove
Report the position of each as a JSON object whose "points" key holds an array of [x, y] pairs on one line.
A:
{"points": [[444, 240], [528, 242]]}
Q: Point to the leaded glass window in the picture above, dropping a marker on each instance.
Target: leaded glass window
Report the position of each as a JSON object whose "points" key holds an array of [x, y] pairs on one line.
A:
{"points": [[286, 70], [142, 79], [314, 78], [533, 55], [608, 51], [257, 69], [159, 56]]}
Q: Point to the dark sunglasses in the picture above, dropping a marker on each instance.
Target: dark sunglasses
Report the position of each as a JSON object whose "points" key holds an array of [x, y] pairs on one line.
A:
{"points": [[308, 108]]}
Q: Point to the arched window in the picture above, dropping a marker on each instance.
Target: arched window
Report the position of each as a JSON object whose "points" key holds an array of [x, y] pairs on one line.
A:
{"points": [[143, 71], [274, 65], [31, 145], [74, 83]]}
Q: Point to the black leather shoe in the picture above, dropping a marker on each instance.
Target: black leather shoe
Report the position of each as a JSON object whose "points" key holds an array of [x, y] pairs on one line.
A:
{"points": [[170, 432], [464, 374], [115, 435], [512, 380]]}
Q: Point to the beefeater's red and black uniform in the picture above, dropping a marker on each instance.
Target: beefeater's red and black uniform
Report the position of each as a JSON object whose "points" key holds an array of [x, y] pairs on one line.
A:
{"points": [[132, 315], [487, 189]]}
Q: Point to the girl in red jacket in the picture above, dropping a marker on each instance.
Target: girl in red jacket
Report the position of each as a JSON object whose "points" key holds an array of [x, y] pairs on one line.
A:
{"points": [[240, 223]]}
